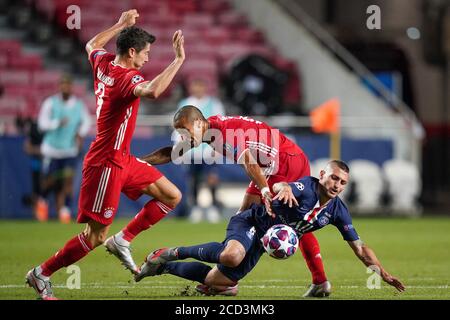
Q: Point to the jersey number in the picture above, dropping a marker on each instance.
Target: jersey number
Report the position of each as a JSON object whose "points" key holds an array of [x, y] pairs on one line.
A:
{"points": [[100, 92]]}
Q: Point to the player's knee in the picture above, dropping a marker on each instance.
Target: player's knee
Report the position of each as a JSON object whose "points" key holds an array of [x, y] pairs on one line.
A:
{"points": [[231, 258], [174, 198]]}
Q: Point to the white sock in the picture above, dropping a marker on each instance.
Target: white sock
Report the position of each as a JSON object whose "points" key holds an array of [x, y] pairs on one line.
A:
{"points": [[39, 273], [120, 240]]}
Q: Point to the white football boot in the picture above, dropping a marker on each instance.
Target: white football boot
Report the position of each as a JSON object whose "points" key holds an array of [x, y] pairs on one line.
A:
{"points": [[318, 290], [40, 284], [122, 252]]}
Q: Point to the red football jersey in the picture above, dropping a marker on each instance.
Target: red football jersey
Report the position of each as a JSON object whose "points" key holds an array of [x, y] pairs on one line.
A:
{"points": [[117, 108], [238, 133]]}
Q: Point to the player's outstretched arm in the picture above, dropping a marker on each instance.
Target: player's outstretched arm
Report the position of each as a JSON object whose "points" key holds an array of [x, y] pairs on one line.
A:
{"points": [[255, 173], [368, 257], [153, 89], [127, 19], [284, 194], [160, 156], [167, 154]]}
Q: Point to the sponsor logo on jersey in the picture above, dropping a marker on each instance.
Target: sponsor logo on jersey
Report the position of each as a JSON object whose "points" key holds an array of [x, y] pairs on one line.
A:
{"points": [[251, 233], [300, 186], [137, 78], [323, 221], [108, 213]]}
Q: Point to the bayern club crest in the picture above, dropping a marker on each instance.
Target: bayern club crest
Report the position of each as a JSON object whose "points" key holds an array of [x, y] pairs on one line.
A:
{"points": [[108, 213]]}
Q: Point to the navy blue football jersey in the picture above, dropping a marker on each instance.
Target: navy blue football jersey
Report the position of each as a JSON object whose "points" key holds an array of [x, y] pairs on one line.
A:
{"points": [[308, 215]]}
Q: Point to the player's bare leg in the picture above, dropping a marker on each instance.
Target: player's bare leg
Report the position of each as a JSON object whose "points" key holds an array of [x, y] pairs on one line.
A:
{"points": [[216, 283], [74, 250], [166, 196]]}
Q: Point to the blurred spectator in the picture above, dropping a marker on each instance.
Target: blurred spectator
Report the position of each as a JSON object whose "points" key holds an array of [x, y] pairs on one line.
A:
{"points": [[32, 144], [199, 170], [65, 121]]}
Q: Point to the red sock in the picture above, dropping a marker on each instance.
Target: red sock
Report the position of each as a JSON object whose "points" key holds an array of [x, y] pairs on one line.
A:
{"points": [[150, 214], [75, 249], [311, 252]]}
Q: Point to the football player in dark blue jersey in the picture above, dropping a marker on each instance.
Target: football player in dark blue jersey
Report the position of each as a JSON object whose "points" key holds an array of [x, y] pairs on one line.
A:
{"points": [[306, 205]]}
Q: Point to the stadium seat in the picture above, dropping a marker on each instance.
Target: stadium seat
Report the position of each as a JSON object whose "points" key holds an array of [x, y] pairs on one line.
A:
{"points": [[46, 7], [182, 6], [3, 61], [46, 79], [368, 179], [248, 35], [10, 47], [215, 7], [12, 106], [14, 77], [232, 19], [198, 20], [404, 185], [25, 62], [193, 66], [216, 35]]}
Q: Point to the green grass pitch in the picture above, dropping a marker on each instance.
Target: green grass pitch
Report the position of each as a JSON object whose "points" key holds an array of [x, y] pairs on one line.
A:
{"points": [[415, 250]]}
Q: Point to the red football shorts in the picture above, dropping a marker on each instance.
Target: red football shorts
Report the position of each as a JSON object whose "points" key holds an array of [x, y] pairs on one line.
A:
{"points": [[101, 187], [291, 168]]}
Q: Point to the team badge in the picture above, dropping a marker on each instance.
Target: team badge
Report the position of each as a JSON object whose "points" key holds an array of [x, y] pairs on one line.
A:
{"points": [[323, 221], [137, 78], [108, 213]]}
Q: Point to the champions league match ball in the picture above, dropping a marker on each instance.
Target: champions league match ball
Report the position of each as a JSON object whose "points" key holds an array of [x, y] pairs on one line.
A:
{"points": [[280, 241]]}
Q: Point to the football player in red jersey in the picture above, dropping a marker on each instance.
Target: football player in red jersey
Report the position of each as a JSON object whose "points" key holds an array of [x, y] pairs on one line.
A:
{"points": [[108, 167], [267, 156]]}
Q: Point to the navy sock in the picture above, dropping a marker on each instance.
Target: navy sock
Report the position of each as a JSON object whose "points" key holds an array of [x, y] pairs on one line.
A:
{"points": [[195, 271], [208, 252]]}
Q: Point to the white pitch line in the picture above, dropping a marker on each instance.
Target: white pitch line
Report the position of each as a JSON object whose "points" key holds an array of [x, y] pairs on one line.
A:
{"points": [[99, 286]]}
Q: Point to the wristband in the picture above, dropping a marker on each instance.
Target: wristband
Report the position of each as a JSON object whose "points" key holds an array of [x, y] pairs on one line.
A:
{"points": [[264, 190]]}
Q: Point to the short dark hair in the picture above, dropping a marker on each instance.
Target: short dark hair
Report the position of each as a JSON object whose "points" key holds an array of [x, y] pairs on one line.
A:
{"points": [[188, 113], [341, 165], [133, 37]]}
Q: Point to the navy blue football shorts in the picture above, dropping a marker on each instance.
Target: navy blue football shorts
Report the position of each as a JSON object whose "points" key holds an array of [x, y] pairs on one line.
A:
{"points": [[241, 228]]}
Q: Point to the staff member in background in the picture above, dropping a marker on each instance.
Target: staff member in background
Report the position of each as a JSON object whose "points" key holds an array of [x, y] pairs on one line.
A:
{"points": [[209, 106], [65, 121]]}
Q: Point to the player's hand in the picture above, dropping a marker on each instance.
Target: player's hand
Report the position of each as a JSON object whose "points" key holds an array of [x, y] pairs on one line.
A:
{"points": [[178, 44], [128, 18], [267, 199], [393, 281], [286, 196]]}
